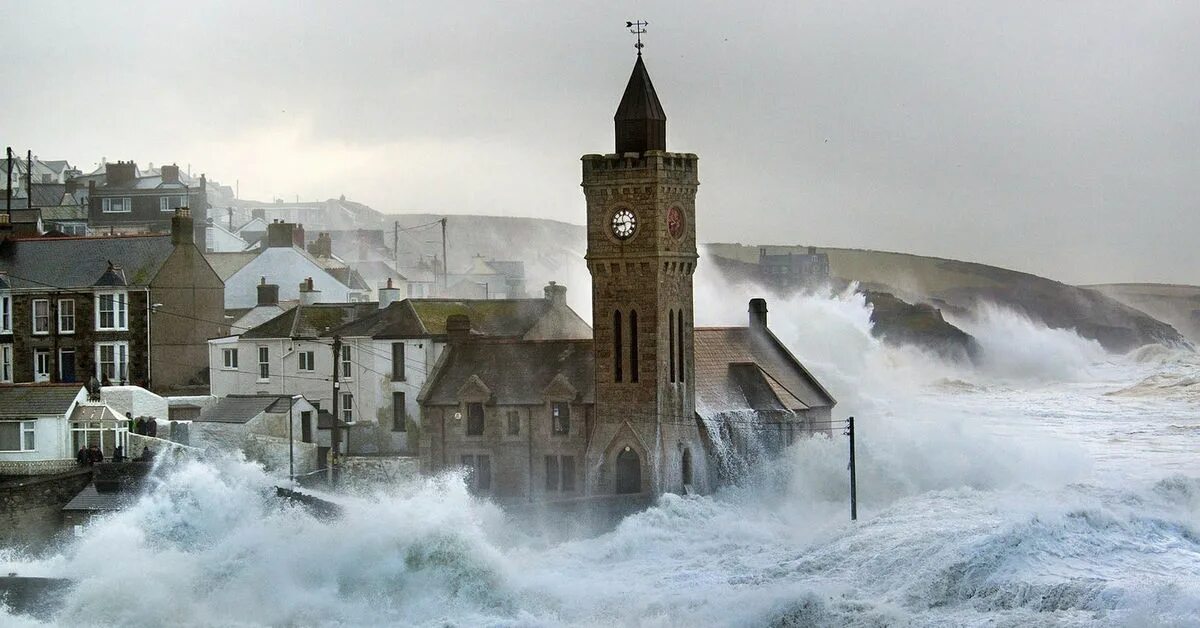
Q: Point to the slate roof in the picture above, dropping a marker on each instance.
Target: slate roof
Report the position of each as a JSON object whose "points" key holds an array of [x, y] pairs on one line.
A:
{"points": [[48, 194], [153, 182], [226, 264], [377, 271], [738, 368], [242, 408], [65, 212], [114, 276], [489, 317], [311, 321], [516, 371], [33, 400], [77, 262]]}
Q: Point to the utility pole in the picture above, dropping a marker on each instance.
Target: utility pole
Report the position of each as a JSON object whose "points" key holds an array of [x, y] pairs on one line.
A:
{"points": [[445, 263], [29, 179], [335, 433], [853, 479], [8, 181], [291, 455], [396, 244]]}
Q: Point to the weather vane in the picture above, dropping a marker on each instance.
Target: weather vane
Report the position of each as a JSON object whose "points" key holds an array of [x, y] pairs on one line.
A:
{"points": [[637, 28]]}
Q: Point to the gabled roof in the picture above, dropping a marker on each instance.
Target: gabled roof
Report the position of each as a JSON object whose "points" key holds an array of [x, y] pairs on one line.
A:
{"points": [[377, 271], [65, 212], [113, 277], [34, 400], [226, 264], [48, 194], [489, 317], [243, 408], [640, 101], [514, 371], [311, 321], [738, 368], [78, 262]]}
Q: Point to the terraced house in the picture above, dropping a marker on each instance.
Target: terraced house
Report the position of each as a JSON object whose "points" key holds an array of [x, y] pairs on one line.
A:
{"points": [[135, 309]]}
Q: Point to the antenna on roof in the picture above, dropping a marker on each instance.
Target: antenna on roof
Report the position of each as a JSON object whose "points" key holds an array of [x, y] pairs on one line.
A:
{"points": [[638, 28]]}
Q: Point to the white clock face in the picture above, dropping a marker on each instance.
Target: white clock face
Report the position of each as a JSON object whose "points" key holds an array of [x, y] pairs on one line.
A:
{"points": [[624, 223]]}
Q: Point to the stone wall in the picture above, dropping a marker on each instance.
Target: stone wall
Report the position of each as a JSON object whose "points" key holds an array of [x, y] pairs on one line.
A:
{"points": [[31, 508], [365, 470]]}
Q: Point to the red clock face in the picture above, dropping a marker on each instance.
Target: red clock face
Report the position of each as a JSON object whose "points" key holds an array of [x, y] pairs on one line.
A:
{"points": [[675, 222]]}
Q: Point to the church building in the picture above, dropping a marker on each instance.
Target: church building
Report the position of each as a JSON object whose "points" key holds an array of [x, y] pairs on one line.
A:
{"points": [[650, 404]]}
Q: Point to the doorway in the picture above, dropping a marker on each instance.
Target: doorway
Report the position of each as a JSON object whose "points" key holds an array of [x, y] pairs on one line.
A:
{"points": [[629, 472]]}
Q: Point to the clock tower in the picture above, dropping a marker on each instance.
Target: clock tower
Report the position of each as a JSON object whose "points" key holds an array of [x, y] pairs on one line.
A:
{"points": [[641, 229]]}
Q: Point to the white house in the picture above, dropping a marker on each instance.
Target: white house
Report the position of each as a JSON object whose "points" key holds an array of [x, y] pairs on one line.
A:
{"points": [[388, 349], [285, 264], [43, 425], [222, 240], [257, 425]]}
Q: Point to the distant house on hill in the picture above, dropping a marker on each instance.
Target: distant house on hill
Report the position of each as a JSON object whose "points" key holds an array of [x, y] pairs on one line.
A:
{"points": [[129, 203], [124, 308], [811, 268]]}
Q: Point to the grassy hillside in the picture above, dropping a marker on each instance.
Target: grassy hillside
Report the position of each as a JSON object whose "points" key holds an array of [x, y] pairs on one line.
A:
{"points": [[1176, 304]]}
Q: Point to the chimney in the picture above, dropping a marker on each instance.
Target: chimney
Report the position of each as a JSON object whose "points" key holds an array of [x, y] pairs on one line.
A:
{"points": [[556, 294], [268, 293], [170, 174], [120, 172], [181, 227], [758, 313], [280, 234], [258, 212], [322, 246], [812, 250], [72, 185], [458, 328], [308, 294], [298, 236], [388, 294]]}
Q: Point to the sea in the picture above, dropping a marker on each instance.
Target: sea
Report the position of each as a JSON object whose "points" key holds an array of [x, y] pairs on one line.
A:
{"points": [[1049, 483]]}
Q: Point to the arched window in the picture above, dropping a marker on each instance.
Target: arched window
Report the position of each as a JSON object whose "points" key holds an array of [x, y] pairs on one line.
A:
{"points": [[679, 328], [618, 358], [629, 472], [634, 355], [671, 344]]}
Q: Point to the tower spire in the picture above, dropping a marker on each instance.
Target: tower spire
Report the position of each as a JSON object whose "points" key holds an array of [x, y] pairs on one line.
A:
{"points": [[641, 123]]}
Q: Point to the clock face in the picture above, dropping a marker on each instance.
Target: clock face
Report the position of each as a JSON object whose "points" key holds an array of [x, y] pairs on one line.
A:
{"points": [[675, 222], [624, 223]]}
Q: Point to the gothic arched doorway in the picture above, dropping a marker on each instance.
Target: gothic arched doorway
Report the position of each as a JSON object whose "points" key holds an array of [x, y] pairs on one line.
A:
{"points": [[687, 468], [629, 472]]}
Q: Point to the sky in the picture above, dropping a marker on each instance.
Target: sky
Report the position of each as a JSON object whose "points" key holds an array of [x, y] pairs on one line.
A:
{"points": [[1060, 138]]}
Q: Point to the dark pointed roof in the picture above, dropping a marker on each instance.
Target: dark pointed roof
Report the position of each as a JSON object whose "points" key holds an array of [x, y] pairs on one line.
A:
{"points": [[641, 123], [113, 276]]}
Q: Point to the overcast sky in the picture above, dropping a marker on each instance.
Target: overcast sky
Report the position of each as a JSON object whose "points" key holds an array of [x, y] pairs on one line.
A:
{"points": [[1060, 138]]}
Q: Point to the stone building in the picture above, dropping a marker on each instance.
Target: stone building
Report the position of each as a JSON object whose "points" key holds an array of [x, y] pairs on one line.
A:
{"points": [[128, 202], [136, 309], [651, 404]]}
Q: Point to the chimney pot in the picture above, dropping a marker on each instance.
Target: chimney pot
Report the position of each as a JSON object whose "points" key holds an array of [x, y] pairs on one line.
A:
{"points": [[556, 294], [758, 313]]}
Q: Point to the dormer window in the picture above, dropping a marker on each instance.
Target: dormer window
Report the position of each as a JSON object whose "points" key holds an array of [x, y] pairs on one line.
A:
{"points": [[112, 311]]}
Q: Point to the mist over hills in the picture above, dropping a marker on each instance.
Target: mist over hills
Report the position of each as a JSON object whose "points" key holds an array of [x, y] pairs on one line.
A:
{"points": [[553, 250]]}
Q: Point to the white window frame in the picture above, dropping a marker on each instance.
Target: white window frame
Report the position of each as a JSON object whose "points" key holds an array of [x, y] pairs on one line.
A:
{"points": [[307, 361], [120, 360], [66, 321], [120, 310], [6, 364], [229, 358], [124, 205], [40, 374], [27, 435], [45, 317], [264, 364], [347, 363], [5, 313], [347, 407]]}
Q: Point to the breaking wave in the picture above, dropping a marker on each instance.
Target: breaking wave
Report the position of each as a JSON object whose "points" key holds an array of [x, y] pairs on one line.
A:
{"points": [[988, 495]]}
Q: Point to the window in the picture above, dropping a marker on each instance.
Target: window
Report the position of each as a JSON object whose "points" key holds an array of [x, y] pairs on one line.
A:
{"points": [[348, 408], [18, 435], [264, 363], [399, 415], [308, 361], [115, 205], [6, 365], [479, 471], [514, 423], [617, 357], [112, 311], [112, 362], [671, 341], [41, 316], [5, 314], [560, 473], [229, 358], [171, 203], [66, 316], [474, 419], [306, 426], [679, 343], [560, 418], [633, 346], [41, 365], [346, 363], [397, 361]]}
